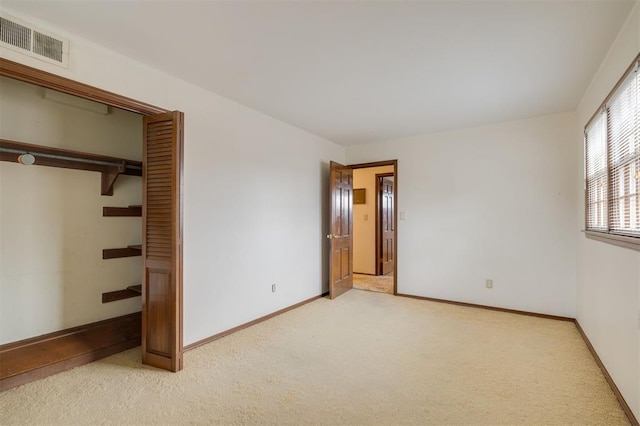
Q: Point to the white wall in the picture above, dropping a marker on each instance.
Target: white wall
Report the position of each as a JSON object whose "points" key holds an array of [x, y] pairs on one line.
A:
{"points": [[51, 227], [608, 302], [255, 193], [364, 220], [489, 202]]}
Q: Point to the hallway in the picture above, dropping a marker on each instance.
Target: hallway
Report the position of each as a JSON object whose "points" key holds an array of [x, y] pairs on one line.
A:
{"points": [[377, 283]]}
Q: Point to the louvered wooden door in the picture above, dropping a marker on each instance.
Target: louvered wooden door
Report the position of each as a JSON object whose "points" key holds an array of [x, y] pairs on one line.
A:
{"points": [[341, 232], [162, 237]]}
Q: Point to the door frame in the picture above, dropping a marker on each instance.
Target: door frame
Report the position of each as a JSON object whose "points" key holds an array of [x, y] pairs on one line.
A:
{"points": [[378, 218], [41, 78], [48, 80], [393, 163]]}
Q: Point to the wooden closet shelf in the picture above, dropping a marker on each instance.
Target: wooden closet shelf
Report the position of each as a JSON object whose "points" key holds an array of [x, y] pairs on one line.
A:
{"points": [[129, 251], [127, 293], [135, 211], [136, 288], [110, 167]]}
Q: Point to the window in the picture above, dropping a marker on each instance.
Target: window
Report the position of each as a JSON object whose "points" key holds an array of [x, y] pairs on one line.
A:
{"points": [[612, 164]]}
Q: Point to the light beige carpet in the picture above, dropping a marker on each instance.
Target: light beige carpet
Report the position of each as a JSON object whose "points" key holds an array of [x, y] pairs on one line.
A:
{"points": [[362, 359], [377, 283]]}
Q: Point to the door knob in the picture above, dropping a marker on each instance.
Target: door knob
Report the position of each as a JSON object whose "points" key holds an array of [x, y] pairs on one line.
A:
{"points": [[332, 236]]}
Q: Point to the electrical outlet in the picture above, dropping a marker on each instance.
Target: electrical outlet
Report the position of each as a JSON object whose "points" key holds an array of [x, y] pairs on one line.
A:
{"points": [[273, 288], [489, 283]]}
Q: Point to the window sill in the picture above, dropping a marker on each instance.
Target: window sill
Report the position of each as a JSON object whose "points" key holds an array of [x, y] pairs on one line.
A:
{"points": [[632, 243]]}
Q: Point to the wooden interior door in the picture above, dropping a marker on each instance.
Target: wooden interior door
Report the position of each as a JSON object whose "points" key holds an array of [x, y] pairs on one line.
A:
{"points": [[387, 231], [162, 241], [341, 229]]}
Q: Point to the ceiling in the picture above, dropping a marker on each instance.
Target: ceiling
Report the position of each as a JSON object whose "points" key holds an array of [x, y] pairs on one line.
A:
{"points": [[357, 72]]}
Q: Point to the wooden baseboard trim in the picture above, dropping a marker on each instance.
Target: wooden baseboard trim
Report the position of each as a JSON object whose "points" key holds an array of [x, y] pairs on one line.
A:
{"points": [[607, 376], [38, 357], [250, 323], [491, 308]]}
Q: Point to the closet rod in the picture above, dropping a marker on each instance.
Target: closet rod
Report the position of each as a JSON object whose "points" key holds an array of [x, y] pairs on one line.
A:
{"points": [[66, 158], [109, 167]]}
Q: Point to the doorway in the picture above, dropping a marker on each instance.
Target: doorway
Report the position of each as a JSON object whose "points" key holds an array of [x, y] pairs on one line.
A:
{"points": [[374, 226]]}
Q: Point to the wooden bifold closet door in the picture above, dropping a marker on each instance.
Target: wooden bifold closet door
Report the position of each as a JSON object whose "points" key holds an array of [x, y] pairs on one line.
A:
{"points": [[162, 344]]}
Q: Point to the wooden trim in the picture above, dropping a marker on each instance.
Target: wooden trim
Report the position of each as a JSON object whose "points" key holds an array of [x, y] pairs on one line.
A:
{"points": [[38, 357], [625, 407], [396, 214], [374, 164], [632, 243], [61, 84], [250, 323], [490, 308], [378, 237]]}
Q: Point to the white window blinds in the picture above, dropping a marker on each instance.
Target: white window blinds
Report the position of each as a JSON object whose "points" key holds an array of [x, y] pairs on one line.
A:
{"points": [[612, 157], [596, 171]]}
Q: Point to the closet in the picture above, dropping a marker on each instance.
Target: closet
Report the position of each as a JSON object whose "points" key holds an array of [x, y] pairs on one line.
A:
{"points": [[110, 198]]}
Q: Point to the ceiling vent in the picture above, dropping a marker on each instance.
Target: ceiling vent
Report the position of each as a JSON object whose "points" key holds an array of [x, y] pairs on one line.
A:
{"points": [[33, 41]]}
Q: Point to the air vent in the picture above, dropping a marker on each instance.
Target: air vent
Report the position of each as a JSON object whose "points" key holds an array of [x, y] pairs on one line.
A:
{"points": [[46, 46], [15, 34], [32, 41]]}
